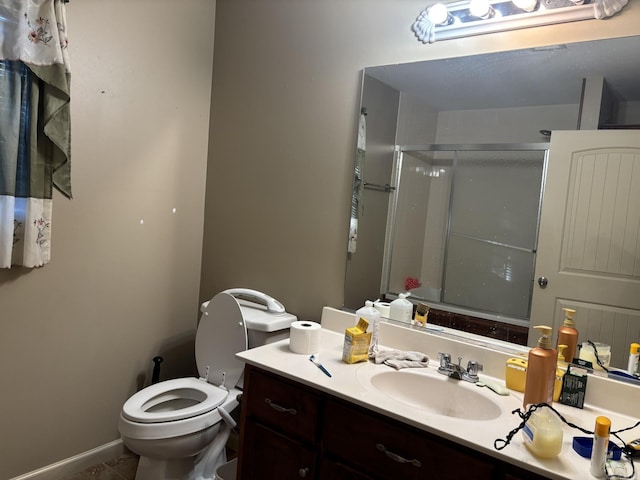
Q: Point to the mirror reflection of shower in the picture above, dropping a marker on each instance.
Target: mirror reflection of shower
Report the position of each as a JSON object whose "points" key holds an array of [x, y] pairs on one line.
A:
{"points": [[464, 225]]}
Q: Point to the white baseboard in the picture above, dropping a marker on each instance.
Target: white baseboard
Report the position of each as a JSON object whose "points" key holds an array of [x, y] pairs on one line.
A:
{"points": [[69, 466]]}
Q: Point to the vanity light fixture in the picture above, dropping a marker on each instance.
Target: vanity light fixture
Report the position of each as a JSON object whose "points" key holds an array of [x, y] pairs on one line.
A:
{"points": [[481, 9], [526, 5], [439, 14], [447, 20]]}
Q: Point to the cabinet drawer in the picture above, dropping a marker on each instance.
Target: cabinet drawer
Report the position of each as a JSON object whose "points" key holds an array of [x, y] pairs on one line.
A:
{"points": [[383, 448], [332, 470], [272, 455], [515, 473], [283, 405]]}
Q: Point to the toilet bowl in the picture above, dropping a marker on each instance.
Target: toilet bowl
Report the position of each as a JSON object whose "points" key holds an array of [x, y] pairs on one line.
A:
{"points": [[180, 427]]}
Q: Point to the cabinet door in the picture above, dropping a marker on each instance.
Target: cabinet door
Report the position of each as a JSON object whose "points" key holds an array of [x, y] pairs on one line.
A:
{"points": [[333, 470], [383, 448], [270, 455], [515, 473], [283, 405]]}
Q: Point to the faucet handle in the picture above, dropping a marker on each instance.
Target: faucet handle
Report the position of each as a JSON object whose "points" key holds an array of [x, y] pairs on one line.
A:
{"points": [[445, 359], [473, 368]]}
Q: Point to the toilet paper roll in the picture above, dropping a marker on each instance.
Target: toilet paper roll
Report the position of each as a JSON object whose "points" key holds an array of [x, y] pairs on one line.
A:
{"points": [[384, 308], [304, 337]]}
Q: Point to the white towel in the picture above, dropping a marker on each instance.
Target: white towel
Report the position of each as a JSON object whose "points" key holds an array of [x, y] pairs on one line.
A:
{"points": [[399, 359]]}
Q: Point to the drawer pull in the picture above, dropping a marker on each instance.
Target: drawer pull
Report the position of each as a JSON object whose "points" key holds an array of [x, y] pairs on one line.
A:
{"points": [[397, 458], [303, 472], [279, 408]]}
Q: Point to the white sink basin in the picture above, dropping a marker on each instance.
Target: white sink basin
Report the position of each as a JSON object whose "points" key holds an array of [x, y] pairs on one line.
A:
{"points": [[435, 393]]}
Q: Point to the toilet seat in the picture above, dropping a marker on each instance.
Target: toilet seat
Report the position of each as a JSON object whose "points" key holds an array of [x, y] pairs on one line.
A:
{"points": [[130, 429], [179, 427], [221, 334], [173, 400]]}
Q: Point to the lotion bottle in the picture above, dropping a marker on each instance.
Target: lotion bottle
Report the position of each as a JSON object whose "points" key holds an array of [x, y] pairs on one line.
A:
{"points": [[543, 434], [600, 447], [568, 335], [541, 370], [557, 385], [401, 309], [634, 355], [371, 315]]}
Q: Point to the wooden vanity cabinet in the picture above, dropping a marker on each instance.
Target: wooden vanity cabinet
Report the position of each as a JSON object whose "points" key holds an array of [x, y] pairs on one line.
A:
{"points": [[289, 431], [336, 470], [385, 448], [275, 456], [279, 425], [514, 473]]}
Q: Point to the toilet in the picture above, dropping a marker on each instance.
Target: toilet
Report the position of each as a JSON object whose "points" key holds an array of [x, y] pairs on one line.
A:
{"points": [[180, 427]]}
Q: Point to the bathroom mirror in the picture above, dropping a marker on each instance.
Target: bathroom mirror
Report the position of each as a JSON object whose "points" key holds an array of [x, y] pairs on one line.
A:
{"points": [[434, 110]]}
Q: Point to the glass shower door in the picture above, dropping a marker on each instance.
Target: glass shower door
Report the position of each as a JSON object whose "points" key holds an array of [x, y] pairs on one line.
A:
{"points": [[492, 234]]}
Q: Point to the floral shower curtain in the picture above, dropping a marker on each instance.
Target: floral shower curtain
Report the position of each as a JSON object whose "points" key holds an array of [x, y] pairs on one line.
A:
{"points": [[35, 141]]}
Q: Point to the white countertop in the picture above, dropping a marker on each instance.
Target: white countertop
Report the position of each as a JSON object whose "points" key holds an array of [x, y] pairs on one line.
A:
{"points": [[351, 383]]}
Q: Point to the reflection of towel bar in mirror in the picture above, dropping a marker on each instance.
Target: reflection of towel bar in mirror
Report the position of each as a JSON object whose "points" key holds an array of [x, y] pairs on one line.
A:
{"points": [[493, 242], [383, 188]]}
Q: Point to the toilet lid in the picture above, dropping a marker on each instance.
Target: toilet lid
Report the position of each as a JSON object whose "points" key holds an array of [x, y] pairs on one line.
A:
{"points": [[173, 400], [221, 334]]}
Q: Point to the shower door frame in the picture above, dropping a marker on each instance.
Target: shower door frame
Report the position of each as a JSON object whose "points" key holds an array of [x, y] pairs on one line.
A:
{"points": [[398, 158]]}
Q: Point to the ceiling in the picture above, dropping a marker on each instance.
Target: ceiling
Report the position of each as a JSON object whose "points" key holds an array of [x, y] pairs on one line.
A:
{"points": [[536, 76]]}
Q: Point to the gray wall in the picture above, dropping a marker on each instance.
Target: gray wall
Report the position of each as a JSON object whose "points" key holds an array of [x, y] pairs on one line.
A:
{"points": [[78, 334], [286, 97]]}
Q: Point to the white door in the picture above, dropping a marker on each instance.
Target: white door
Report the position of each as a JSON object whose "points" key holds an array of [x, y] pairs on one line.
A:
{"points": [[589, 241]]}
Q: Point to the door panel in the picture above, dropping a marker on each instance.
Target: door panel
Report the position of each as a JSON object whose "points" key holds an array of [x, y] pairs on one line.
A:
{"points": [[602, 216], [589, 243]]}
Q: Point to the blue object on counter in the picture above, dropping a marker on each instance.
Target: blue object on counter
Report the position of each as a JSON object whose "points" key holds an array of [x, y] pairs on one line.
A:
{"points": [[624, 377], [584, 445], [319, 365]]}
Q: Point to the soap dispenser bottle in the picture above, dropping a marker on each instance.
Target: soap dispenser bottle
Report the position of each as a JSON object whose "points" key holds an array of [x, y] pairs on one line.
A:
{"points": [[557, 385], [568, 335], [401, 309], [371, 315], [541, 370]]}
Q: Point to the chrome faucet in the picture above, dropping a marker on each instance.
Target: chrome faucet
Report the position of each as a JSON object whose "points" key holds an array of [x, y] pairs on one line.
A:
{"points": [[456, 371]]}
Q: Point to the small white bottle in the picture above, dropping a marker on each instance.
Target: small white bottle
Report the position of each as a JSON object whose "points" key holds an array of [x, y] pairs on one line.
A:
{"points": [[634, 355], [401, 309], [371, 315], [600, 447]]}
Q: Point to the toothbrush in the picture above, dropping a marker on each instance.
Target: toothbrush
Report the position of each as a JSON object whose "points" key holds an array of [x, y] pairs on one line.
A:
{"points": [[319, 365]]}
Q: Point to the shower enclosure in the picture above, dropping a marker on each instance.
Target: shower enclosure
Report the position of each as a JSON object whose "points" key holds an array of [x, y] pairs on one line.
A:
{"points": [[463, 224]]}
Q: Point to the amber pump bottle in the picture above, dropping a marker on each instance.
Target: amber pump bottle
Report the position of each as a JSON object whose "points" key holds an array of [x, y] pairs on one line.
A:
{"points": [[568, 335], [541, 370]]}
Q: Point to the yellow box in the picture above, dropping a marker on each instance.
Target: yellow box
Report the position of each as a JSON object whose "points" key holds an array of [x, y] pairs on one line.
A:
{"points": [[422, 313], [516, 374], [356, 343]]}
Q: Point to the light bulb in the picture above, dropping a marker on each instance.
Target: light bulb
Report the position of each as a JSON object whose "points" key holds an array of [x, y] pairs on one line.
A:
{"points": [[480, 8], [526, 5], [438, 14]]}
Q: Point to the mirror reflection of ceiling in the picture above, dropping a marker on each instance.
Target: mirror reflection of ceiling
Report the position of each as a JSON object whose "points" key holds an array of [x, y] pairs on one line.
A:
{"points": [[518, 78]]}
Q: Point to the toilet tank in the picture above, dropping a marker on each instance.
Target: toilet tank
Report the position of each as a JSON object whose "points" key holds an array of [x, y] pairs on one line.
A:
{"points": [[264, 316], [264, 326]]}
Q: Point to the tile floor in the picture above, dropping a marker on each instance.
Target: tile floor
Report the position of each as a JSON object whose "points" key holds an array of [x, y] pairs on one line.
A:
{"points": [[121, 468]]}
